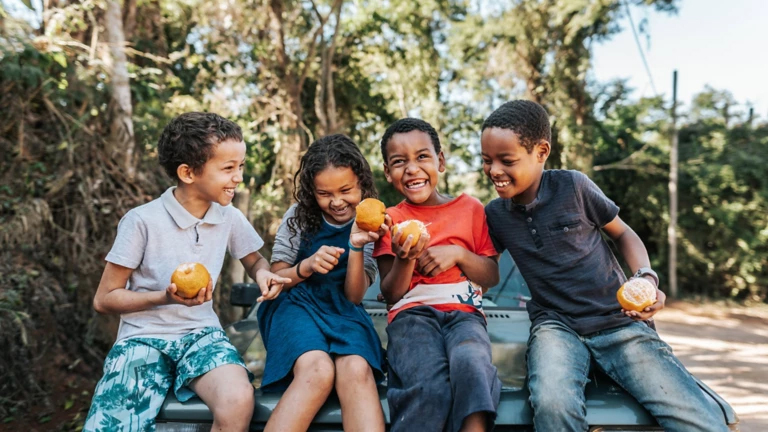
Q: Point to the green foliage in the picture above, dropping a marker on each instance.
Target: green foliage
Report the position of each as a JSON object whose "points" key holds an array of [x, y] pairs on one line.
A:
{"points": [[722, 188], [449, 62]]}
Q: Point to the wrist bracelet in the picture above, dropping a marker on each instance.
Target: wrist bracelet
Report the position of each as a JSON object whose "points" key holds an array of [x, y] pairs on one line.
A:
{"points": [[354, 248], [647, 271], [298, 270]]}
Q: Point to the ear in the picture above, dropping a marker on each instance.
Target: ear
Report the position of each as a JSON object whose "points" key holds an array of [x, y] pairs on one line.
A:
{"points": [[542, 150], [386, 173], [441, 162], [185, 174]]}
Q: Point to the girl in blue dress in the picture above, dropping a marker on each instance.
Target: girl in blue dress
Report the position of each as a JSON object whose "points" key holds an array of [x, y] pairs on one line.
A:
{"points": [[317, 334]]}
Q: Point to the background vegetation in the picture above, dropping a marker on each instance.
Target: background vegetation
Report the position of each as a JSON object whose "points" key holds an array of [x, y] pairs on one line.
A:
{"points": [[86, 87]]}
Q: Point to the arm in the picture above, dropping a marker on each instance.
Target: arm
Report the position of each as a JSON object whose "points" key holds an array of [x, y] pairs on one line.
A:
{"points": [[296, 273], [322, 261], [397, 271], [633, 250], [480, 269], [112, 297], [357, 281], [258, 269]]}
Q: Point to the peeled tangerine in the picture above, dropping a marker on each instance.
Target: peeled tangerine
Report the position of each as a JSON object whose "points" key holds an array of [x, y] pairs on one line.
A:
{"points": [[190, 278], [636, 294], [370, 214], [413, 227]]}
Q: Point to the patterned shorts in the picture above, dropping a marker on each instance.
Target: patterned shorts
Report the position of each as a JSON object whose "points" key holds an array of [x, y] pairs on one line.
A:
{"points": [[138, 373]]}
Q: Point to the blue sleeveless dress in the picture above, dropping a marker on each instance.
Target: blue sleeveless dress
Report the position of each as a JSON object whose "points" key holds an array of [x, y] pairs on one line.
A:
{"points": [[315, 315]]}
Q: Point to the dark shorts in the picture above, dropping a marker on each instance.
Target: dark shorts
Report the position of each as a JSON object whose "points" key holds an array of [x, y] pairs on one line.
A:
{"points": [[440, 370]]}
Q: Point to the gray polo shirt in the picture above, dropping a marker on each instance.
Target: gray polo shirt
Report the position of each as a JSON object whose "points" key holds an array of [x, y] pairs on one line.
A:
{"points": [[286, 248], [557, 243], [153, 239]]}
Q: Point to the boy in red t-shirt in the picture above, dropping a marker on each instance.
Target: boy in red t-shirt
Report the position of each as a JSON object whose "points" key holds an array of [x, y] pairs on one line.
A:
{"points": [[440, 370]]}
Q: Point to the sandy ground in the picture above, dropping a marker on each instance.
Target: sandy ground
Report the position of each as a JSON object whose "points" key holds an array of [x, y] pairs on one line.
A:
{"points": [[727, 348]]}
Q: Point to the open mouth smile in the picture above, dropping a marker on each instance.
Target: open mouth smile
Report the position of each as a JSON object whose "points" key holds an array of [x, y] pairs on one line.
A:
{"points": [[339, 211], [415, 184]]}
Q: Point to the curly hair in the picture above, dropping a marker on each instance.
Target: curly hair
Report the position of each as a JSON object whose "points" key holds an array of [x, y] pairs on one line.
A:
{"points": [[527, 119], [406, 125], [190, 139], [336, 151]]}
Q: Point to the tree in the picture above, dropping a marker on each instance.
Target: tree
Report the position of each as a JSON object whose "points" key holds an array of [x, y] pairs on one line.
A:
{"points": [[546, 46], [121, 128]]}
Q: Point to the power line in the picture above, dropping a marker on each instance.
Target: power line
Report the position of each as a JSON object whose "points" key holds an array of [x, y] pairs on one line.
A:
{"points": [[640, 49]]}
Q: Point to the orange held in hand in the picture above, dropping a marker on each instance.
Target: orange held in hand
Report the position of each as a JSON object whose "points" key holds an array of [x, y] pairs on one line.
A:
{"points": [[370, 214], [190, 278], [636, 294], [413, 227]]}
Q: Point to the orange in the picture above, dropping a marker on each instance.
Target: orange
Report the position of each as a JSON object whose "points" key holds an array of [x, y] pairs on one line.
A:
{"points": [[190, 278], [370, 214], [636, 294], [413, 227]]}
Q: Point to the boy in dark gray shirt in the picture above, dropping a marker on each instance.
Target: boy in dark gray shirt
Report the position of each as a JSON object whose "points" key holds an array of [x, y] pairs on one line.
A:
{"points": [[551, 223]]}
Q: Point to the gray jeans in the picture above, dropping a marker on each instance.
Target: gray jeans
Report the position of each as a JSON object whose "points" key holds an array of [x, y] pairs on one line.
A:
{"points": [[440, 370]]}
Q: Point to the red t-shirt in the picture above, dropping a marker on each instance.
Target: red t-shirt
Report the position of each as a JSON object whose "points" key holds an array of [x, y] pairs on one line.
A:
{"points": [[460, 222]]}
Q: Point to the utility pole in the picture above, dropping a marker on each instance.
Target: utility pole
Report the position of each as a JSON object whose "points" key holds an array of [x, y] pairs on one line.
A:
{"points": [[672, 230]]}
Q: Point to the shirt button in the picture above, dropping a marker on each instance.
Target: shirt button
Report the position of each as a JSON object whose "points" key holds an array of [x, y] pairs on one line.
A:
{"points": [[565, 229], [529, 219], [533, 231]]}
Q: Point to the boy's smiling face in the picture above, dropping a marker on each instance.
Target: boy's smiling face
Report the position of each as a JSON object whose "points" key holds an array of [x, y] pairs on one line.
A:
{"points": [[514, 171], [220, 175], [412, 167]]}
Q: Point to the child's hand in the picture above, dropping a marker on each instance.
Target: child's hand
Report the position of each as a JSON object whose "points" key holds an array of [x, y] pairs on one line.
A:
{"points": [[405, 251], [325, 259], [359, 238], [650, 311], [205, 295], [438, 259], [270, 284]]}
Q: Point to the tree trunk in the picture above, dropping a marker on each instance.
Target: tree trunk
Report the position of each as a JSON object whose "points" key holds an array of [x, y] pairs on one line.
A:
{"points": [[129, 18], [121, 128], [235, 272]]}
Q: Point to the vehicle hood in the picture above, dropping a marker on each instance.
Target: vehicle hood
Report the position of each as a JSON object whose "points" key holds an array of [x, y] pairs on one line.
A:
{"points": [[607, 404]]}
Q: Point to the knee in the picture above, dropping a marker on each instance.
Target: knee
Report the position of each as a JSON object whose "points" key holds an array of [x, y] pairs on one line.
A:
{"points": [[557, 401], [470, 358], [353, 369], [316, 370], [235, 405]]}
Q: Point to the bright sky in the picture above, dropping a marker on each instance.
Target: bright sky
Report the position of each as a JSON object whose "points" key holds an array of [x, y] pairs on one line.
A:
{"points": [[714, 42]]}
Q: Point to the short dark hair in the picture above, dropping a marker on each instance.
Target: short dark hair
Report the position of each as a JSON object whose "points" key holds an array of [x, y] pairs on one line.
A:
{"points": [[527, 119], [406, 125], [189, 139], [330, 151]]}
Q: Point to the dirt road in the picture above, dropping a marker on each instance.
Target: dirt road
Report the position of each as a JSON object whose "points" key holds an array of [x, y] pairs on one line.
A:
{"points": [[727, 348]]}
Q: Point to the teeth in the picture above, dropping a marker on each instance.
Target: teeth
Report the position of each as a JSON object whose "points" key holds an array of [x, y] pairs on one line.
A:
{"points": [[501, 184], [416, 184]]}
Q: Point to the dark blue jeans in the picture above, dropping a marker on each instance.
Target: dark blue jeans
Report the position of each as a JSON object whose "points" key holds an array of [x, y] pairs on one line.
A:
{"points": [[634, 356], [440, 370]]}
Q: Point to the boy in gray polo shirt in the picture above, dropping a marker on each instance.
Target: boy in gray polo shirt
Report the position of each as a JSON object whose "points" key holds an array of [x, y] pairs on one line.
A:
{"points": [[551, 221], [164, 339]]}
